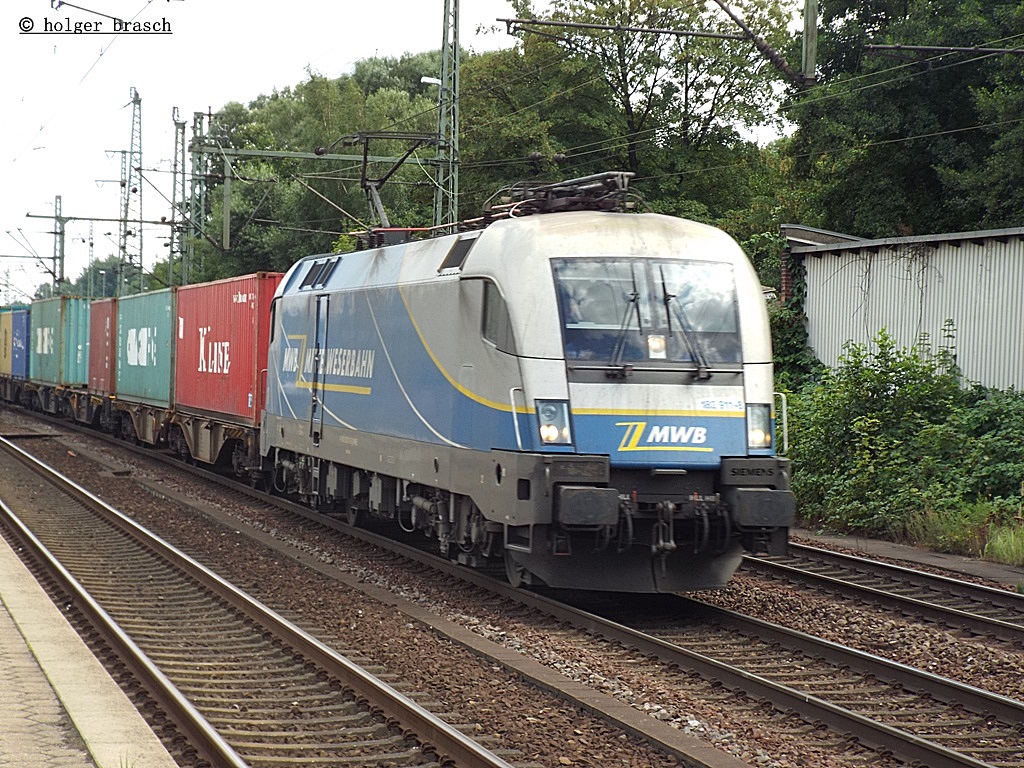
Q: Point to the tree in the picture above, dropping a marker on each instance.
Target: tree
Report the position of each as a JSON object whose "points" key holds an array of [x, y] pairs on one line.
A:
{"points": [[571, 102], [896, 143], [677, 91], [285, 208], [523, 111], [405, 73], [100, 279]]}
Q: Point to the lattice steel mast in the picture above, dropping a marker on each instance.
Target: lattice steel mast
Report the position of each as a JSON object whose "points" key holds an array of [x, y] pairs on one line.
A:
{"points": [[179, 206], [446, 193], [131, 204]]}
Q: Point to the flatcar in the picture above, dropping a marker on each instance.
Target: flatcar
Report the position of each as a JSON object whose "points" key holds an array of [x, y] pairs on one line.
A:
{"points": [[182, 368], [583, 396]]}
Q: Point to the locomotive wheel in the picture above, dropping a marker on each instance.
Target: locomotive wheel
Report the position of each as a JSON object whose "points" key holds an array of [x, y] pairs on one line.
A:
{"points": [[514, 572], [352, 515]]}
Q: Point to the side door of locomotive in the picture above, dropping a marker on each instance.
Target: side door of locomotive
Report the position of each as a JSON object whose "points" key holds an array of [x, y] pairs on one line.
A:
{"points": [[321, 313]]}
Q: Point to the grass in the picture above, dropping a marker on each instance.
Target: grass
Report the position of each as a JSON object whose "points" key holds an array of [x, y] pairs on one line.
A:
{"points": [[1006, 544], [982, 530]]}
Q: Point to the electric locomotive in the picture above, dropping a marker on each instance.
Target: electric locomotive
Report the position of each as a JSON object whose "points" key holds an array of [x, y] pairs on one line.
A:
{"points": [[580, 392]]}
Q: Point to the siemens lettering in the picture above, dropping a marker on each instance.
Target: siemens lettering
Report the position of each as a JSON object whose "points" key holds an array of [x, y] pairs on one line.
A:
{"points": [[161, 27]]}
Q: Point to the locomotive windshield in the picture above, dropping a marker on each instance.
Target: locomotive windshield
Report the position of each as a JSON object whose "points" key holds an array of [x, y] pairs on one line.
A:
{"points": [[628, 310]]}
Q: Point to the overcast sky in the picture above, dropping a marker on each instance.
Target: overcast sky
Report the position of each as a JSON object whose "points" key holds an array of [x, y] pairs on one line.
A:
{"points": [[65, 98]]}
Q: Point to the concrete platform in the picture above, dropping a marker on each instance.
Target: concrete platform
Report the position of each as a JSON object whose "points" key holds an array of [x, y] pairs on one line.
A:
{"points": [[58, 706]]}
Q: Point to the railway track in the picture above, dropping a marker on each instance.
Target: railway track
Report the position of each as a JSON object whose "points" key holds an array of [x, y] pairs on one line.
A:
{"points": [[909, 716], [976, 608], [915, 716], [879, 705], [883, 706], [245, 686]]}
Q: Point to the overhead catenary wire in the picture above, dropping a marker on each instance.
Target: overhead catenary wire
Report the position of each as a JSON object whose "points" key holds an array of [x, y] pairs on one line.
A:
{"points": [[618, 142]]}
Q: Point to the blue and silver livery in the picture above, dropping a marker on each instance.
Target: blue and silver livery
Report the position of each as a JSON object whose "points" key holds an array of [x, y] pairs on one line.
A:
{"points": [[585, 396]]}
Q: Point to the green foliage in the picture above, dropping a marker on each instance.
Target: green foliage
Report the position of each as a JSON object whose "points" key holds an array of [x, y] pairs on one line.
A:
{"points": [[522, 108], [889, 443], [675, 91], [399, 74], [993, 529], [667, 108], [850, 438], [796, 365], [923, 142], [284, 208], [551, 107], [100, 279]]}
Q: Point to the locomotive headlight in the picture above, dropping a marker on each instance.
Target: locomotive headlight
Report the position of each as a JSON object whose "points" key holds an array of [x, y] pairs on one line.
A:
{"points": [[553, 422], [656, 346], [759, 426]]}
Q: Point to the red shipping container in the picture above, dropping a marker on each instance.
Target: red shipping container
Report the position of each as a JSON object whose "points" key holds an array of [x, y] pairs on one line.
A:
{"points": [[102, 343], [222, 338]]}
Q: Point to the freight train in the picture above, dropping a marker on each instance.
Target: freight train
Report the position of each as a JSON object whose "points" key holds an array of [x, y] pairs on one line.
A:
{"points": [[572, 391]]}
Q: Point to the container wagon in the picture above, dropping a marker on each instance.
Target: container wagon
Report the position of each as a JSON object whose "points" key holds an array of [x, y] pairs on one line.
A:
{"points": [[59, 355], [222, 331]]}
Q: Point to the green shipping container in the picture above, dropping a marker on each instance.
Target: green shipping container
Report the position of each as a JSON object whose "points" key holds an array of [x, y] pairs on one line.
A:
{"points": [[145, 347], [59, 354]]}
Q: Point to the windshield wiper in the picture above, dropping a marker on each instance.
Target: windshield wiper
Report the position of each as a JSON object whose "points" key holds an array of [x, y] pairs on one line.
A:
{"points": [[692, 344], [632, 304]]}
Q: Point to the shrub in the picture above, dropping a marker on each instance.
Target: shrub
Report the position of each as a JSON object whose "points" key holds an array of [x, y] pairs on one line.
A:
{"points": [[889, 443], [795, 362], [855, 436]]}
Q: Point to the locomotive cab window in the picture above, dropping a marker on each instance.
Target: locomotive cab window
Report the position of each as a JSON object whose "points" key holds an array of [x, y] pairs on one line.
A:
{"points": [[621, 310], [497, 326]]}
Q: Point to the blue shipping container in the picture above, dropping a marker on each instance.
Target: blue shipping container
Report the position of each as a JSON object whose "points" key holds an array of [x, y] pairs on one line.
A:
{"points": [[19, 343]]}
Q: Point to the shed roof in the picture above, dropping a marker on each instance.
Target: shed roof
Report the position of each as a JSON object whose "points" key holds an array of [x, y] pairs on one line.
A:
{"points": [[808, 241]]}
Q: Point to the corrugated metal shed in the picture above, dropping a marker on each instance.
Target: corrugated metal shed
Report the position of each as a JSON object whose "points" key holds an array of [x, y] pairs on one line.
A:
{"points": [[914, 287]]}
